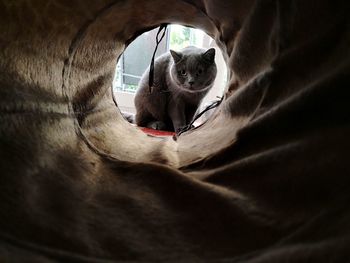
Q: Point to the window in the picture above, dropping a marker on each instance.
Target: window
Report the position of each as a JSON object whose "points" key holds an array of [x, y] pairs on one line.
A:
{"points": [[137, 57]]}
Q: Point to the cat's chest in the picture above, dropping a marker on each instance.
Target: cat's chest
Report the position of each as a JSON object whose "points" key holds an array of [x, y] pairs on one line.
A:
{"points": [[181, 104], [184, 99], [192, 99]]}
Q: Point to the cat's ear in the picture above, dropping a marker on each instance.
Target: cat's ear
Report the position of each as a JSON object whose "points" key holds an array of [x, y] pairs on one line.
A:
{"points": [[176, 56], [209, 55]]}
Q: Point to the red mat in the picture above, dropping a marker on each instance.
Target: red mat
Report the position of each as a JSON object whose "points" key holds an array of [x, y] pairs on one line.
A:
{"points": [[157, 133]]}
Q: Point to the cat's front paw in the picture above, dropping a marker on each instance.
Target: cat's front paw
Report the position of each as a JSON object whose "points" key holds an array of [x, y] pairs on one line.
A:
{"points": [[157, 125]]}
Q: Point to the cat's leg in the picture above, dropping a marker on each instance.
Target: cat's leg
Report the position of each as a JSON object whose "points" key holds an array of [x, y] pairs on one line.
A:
{"points": [[143, 117], [157, 125], [150, 107], [178, 116], [190, 113], [179, 121]]}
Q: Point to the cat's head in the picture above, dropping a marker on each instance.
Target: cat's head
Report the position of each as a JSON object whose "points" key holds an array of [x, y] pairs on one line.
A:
{"points": [[194, 69]]}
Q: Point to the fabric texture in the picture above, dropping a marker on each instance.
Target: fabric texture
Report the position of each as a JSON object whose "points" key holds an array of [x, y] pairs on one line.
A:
{"points": [[266, 179]]}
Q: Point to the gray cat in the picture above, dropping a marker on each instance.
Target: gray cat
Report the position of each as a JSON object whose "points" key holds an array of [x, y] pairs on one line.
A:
{"points": [[181, 80]]}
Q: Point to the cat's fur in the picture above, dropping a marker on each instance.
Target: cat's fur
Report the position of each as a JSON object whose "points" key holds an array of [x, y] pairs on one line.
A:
{"points": [[181, 80]]}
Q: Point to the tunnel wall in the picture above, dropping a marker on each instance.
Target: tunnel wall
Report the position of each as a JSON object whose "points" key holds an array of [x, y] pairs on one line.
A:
{"points": [[265, 178]]}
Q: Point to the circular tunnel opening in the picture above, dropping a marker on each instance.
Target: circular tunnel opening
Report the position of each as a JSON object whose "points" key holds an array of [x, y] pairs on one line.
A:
{"points": [[95, 57], [132, 73]]}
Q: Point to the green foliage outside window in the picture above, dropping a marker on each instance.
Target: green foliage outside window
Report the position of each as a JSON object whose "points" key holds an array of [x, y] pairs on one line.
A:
{"points": [[180, 39]]}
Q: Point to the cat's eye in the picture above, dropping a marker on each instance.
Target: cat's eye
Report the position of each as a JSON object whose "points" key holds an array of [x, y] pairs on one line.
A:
{"points": [[183, 72]]}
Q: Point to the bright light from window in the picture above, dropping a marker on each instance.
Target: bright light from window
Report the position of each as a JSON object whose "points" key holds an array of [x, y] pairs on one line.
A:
{"points": [[181, 37]]}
